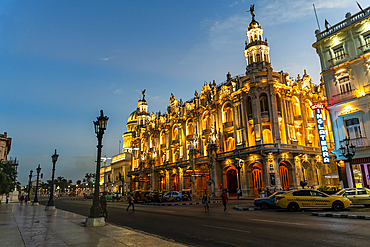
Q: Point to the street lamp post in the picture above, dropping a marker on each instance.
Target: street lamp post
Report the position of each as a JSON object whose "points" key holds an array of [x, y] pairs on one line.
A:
{"points": [[30, 185], [94, 218], [348, 151], [38, 170], [51, 205]]}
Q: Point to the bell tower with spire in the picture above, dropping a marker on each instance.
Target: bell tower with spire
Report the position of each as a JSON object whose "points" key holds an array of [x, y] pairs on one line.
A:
{"points": [[256, 49]]}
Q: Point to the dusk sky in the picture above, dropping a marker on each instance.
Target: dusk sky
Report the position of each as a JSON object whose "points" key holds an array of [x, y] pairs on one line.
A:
{"points": [[63, 61]]}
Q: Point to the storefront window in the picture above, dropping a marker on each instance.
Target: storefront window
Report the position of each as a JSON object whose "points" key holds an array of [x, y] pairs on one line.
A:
{"points": [[358, 176]]}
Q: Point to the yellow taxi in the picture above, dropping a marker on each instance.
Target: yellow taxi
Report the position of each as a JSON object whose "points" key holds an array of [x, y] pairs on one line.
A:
{"points": [[305, 198], [358, 196]]}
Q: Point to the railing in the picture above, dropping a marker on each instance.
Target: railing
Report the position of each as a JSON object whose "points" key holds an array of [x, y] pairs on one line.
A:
{"points": [[358, 142], [364, 47], [342, 97], [338, 58], [352, 19], [224, 82]]}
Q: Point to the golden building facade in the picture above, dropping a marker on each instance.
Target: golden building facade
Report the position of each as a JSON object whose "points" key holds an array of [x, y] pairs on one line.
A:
{"points": [[251, 131]]}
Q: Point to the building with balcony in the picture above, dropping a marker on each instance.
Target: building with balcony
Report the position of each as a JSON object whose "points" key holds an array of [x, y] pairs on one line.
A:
{"points": [[251, 131], [344, 51]]}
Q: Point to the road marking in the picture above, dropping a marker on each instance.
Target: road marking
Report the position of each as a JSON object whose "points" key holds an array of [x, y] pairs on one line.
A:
{"points": [[167, 211], [292, 223], [230, 229]]}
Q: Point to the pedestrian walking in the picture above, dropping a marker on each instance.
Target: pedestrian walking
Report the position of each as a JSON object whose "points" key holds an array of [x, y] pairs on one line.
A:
{"points": [[131, 202], [7, 199], [21, 199], [239, 192], [206, 201], [26, 200], [225, 199]]}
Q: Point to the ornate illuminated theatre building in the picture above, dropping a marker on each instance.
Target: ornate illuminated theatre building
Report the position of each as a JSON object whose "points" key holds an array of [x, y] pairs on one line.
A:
{"points": [[251, 131]]}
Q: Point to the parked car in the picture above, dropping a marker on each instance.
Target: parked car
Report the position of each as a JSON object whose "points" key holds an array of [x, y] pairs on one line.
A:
{"points": [[111, 196], [358, 196], [172, 196], [267, 202], [143, 196], [186, 194], [297, 199]]}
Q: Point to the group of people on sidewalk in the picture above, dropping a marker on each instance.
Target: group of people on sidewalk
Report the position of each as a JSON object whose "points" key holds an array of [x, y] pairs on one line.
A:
{"points": [[206, 200]]}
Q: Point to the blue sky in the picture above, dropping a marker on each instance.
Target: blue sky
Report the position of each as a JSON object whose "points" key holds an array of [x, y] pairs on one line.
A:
{"points": [[61, 62]]}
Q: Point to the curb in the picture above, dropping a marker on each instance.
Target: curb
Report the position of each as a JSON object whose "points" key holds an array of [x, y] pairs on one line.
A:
{"points": [[360, 217], [177, 204]]}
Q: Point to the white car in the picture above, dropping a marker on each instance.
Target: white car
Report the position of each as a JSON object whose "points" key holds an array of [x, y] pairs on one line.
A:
{"points": [[176, 196], [358, 196]]}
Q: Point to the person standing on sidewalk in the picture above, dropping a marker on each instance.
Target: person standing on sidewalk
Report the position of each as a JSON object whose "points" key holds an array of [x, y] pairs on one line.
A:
{"points": [[7, 199], [131, 203], [225, 199], [206, 201]]}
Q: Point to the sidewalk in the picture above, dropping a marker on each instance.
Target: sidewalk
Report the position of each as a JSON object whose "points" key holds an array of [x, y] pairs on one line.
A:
{"points": [[32, 226]]}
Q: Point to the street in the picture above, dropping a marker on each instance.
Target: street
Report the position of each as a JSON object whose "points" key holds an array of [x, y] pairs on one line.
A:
{"points": [[189, 224]]}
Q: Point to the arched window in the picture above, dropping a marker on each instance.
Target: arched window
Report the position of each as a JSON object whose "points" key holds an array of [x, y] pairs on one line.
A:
{"points": [[189, 128], [249, 107], [206, 121], [227, 113], [309, 111], [163, 138], [175, 133], [296, 107], [267, 137], [264, 103], [278, 102], [250, 59], [258, 58]]}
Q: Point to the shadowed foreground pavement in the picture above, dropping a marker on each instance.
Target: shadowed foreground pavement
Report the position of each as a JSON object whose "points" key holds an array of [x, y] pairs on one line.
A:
{"points": [[32, 226]]}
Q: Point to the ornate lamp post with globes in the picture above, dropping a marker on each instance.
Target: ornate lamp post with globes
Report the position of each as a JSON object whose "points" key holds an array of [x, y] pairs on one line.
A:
{"points": [[51, 205], [348, 151], [94, 218], [38, 170]]}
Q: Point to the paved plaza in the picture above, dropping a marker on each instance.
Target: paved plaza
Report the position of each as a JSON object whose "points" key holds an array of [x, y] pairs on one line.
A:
{"points": [[27, 225]]}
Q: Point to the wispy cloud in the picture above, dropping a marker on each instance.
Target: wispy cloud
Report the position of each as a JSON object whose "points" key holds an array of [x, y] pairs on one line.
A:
{"points": [[106, 58], [157, 99], [118, 91], [232, 5]]}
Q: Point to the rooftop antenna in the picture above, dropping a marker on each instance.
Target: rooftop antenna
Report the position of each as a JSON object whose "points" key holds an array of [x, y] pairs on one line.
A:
{"points": [[314, 9]]}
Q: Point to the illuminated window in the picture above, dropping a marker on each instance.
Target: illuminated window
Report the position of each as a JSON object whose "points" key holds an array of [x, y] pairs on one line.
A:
{"points": [[296, 107], [227, 113], [189, 128], [175, 133], [206, 121]]}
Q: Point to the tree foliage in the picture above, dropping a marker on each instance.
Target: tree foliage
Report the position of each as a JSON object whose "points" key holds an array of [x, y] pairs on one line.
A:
{"points": [[8, 177]]}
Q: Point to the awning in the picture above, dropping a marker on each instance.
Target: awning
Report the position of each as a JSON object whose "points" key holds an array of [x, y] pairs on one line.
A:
{"points": [[332, 175]]}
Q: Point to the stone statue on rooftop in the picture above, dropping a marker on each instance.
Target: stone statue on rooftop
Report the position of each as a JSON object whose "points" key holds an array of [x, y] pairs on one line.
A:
{"points": [[251, 10], [143, 93]]}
